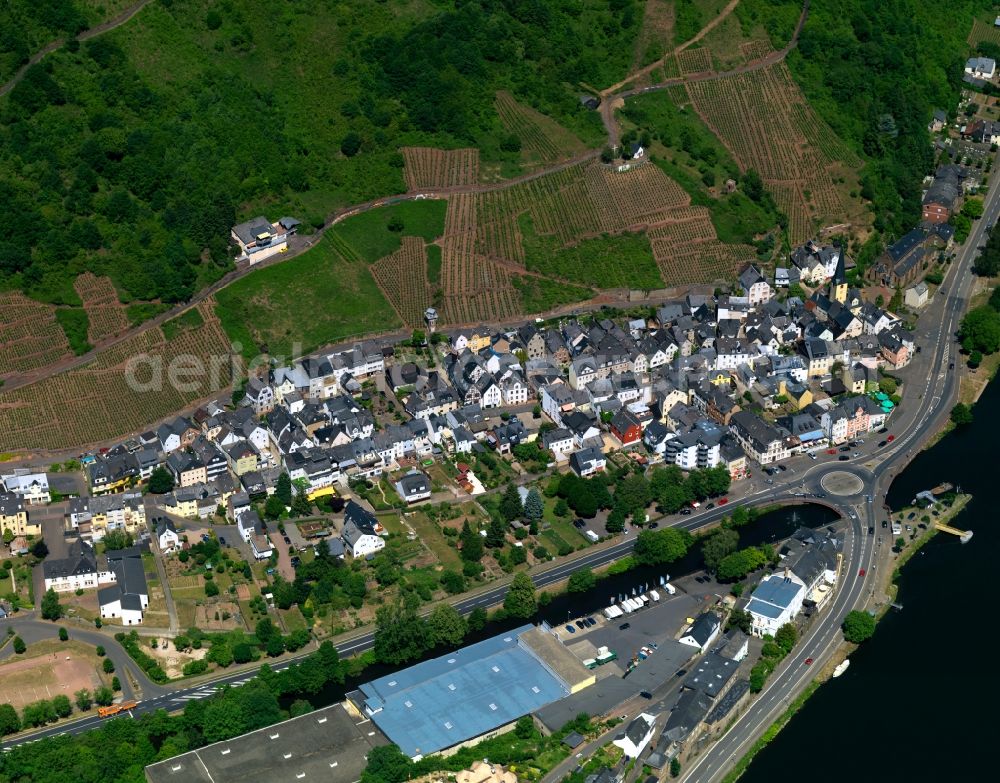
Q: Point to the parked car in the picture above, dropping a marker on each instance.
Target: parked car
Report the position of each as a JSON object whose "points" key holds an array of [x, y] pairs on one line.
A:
{"points": [[883, 431], [871, 530], [654, 525], [723, 501], [222, 541], [579, 524], [685, 512], [885, 524], [710, 505], [891, 438], [843, 458], [571, 629], [646, 694], [881, 443], [287, 540], [782, 468], [844, 448], [624, 626], [581, 624], [831, 451]]}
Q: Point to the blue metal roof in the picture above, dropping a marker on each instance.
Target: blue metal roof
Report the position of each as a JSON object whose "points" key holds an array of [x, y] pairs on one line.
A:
{"points": [[763, 609], [777, 590], [447, 700]]}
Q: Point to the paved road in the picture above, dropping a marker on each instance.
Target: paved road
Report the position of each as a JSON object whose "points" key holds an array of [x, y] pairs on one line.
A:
{"points": [[916, 424]]}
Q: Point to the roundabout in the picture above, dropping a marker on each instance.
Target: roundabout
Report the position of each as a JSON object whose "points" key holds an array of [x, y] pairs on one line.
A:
{"points": [[842, 484]]}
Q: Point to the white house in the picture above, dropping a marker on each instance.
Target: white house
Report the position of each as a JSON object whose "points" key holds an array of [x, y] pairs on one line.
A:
{"points": [[702, 631], [414, 487], [981, 67], [755, 286], [32, 488], [128, 596], [775, 601], [76, 571], [359, 535], [637, 735], [166, 536], [916, 296], [587, 462]]}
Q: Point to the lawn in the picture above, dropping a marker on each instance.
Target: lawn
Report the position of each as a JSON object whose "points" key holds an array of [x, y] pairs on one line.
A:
{"points": [[539, 295], [184, 322], [370, 236], [432, 537], [297, 306]]}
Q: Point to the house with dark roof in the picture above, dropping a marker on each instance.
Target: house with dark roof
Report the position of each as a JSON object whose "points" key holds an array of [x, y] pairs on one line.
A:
{"points": [[414, 487], [626, 427], [587, 462], [128, 596], [359, 534], [702, 631], [76, 571], [637, 735], [259, 238]]}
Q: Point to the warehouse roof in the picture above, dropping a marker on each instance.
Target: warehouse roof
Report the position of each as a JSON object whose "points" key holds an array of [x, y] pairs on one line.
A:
{"points": [[444, 701]]}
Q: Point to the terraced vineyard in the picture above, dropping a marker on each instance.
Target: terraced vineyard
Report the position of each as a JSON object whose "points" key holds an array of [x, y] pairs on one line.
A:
{"points": [[105, 312], [427, 168], [984, 31], [402, 277], [30, 336], [96, 402], [764, 120], [687, 250], [694, 60], [542, 139]]}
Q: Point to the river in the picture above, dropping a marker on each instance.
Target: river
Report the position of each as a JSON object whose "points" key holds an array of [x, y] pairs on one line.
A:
{"points": [[885, 718]]}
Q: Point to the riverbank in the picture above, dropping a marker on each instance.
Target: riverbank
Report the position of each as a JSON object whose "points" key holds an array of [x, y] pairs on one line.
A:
{"points": [[888, 588]]}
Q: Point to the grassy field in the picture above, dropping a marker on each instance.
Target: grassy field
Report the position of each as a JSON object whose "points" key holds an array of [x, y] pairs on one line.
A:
{"points": [[370, 236], [295, 307], [539, 295], [185, 321], [624, 261], [430, 534]]}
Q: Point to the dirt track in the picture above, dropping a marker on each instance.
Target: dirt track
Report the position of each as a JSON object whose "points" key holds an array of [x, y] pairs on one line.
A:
{"points": [[300, 244]]}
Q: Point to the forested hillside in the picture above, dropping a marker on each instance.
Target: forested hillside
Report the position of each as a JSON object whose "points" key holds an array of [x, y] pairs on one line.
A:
{"points": [[876, 71], [130, 155]]}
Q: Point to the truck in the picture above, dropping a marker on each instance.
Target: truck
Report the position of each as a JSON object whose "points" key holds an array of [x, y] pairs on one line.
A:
{"points": [[670, 588], [592, 536], [612, 612], [115, 709], [654, 595], [627, 606]]}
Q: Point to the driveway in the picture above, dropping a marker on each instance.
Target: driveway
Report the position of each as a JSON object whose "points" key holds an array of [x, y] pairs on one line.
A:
{"points": [[284, 559]]}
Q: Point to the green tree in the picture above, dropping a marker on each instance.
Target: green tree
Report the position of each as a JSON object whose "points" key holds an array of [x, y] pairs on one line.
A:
{"points": [[51, 609], [62, 705], [525, 729], [103, 696], [108, 665], [900, 543], [283, 489], [961, 414], [510, 504], [975, 359], [721, 543], [84, 701], [477, 619], [447, 626], [581, 581], [211, 589], [453, 582], [161, 481], [887, 385], [738, 618], [265, 630], [980, 330], [533, 506], [520, 601], [101, 652], [242, 653], [400, 634], [273, 507], [39, 550], [63, 635], [739, 564], [496, 533], [561, 508], [38, 713], [633, 493], [658, 547], [858, 626], [10, 723], [19, 645], [786, 637], [675, 767], [472, 544], [387, 764], [118, 539]]}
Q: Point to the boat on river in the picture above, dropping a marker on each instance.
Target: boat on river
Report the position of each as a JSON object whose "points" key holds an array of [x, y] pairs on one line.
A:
{"points": [[842, 667]]}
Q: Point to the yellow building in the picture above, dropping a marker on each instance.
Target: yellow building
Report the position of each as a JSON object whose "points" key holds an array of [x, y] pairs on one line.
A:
{"points": [[14, 517]]}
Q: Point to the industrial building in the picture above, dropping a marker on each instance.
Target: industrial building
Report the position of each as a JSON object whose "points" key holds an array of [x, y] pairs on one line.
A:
{"points": [[479, 691], [328, 744]]}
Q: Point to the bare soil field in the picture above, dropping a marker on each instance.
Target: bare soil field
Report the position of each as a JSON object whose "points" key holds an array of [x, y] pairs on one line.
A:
{"points": [[47, 674]]}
